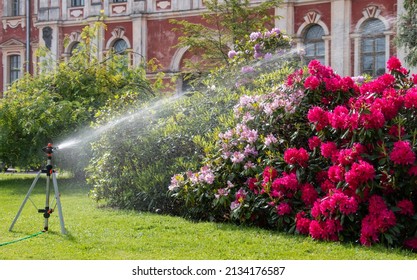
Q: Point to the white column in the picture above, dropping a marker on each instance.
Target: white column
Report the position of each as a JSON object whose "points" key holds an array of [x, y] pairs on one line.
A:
{"points": [[139, 39], [286, 12], [340, 44]]}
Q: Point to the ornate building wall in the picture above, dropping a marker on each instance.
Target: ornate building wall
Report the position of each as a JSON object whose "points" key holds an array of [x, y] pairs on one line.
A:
{"points": [[332, 30]]}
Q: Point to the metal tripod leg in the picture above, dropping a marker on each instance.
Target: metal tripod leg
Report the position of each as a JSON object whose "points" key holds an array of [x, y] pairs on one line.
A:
{"points": [[25, 200], [58, 202]]}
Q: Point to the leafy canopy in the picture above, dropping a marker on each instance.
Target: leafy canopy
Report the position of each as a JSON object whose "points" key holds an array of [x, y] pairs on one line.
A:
{"points": [[56, 103], [226, 24]]}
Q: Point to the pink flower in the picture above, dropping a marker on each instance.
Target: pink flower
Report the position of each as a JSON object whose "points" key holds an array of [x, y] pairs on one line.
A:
{"points": [[269, 174], [311, 83], [319, 117], [308, 194], [410, 99], [393, 63], [302, 224], [411, 243], [396, 131], [378, 221], [414, 77], [376, 204], [296, 156], [406, 207], [328, 149], [402, 153], [288, 181], [283, 209], [336, 173], [314, 142], [316, 230], [359, 173], [412, 171], [270, 139], [339, 118], [252, 184], [374, 120]]}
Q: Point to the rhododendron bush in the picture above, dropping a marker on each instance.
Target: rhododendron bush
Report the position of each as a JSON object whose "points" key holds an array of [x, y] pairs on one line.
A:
{"points": [[326, 156]]}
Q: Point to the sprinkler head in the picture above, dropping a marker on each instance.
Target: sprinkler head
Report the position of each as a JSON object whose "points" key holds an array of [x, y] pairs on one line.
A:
{"points": [[49, 149]]}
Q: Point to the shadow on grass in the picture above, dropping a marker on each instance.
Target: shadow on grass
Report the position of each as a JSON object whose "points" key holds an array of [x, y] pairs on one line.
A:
{"points": [[19, 184]]}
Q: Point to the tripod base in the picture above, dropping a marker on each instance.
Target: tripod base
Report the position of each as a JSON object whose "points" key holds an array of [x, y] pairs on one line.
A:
{"points": [[47, 211]]}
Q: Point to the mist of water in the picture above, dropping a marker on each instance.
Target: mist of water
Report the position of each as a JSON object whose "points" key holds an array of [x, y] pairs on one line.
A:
{"points": [[138, 117]]}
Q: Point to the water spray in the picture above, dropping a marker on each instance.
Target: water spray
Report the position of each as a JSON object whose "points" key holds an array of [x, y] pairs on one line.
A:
{"points": [[47, 210]]}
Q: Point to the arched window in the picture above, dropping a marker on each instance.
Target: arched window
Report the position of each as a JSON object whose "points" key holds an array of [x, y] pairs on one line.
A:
{"points": [[314, 43], [120, 47], [74, 48], [372, 50]]}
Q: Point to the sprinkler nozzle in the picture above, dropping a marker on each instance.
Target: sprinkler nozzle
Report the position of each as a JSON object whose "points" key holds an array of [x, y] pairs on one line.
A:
{"points": [[49, 149]]}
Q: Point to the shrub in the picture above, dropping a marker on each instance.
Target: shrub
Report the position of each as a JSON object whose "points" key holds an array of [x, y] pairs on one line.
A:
{"points": [[327, 156], [135, 171]]}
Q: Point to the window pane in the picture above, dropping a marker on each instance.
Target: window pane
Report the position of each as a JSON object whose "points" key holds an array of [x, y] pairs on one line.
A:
{"points": [[367, 45], [309, 50], [77, 3], [14, 68], [320, 49], [380, 44], [368, 62], [120, 46]]}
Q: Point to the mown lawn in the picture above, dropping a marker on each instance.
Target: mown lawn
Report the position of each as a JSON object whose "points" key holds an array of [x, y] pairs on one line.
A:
{"points": [[98, 233]]}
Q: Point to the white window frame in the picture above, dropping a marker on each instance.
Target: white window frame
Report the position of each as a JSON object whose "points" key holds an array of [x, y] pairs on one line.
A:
{"points": [[313, 17], [370, 12]]}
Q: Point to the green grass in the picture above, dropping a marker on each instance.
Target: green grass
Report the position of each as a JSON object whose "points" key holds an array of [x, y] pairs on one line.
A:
{"points": [[100, 233]]}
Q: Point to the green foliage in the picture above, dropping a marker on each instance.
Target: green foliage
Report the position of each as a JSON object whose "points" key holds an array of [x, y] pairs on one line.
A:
{"points": [[56, 103], [99, 233], [169, 135], [407, 31], [225, 24]]}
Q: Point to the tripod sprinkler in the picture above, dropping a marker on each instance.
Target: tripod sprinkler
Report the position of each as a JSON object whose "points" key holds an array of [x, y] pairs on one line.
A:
{"points": [[50, 172]]}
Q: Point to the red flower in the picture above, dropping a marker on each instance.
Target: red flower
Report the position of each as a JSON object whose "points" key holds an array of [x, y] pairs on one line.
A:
{"points": [[393, 63], [288, 181], [410, 99], [314, 142], [252, 184], [406, 207], [378, 221], [402, 153], [269, 174], [414, 76], [316, 230], [328, 149], [302, 224], [339, 118], [283, 209], [411, 243], [319, 117], [412, 171], [311, 82], [296, 156], [308, 194], [359, 173], [336, 173], [396, 131]]}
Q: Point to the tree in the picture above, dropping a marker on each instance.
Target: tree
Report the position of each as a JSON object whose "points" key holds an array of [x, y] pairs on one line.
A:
{"points": [[407, 31], [226, 24], [54, 104]]}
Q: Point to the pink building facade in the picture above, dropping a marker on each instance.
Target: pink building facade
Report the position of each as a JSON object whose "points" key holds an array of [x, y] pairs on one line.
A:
{"points": [[352, 36]]}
